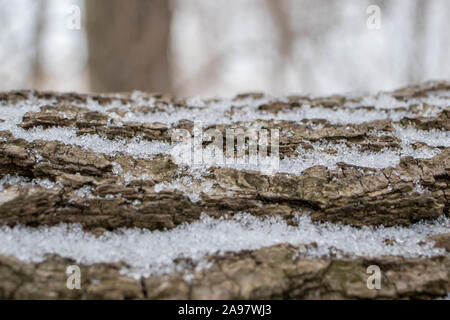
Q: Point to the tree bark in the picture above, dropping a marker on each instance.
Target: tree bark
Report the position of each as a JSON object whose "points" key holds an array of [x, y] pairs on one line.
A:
{"points": [[347, 194], [268, 273], [106, 191]]}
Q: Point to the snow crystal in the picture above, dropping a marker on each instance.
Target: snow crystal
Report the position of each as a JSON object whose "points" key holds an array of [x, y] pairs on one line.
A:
{"points": [[380, 101], [22, 181], [386, 101], [136, 146], [335, 116], [13, 116], [434, 137], [220, 111], [420, 189], [12, 180], [192, 188], [229, 111], [350, 155], [153, 252], [446, 297], [85, 192], [46, 183], [304, 158], [212, 156], [440, 94]]}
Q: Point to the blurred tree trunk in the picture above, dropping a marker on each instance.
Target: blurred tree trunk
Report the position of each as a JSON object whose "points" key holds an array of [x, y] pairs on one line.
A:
{"points": [[128, 44], [416, 70], [37, 70]]}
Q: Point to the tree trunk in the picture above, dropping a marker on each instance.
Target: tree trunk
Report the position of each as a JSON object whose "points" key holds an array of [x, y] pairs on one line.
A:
{"points": [[128, 45], [37, 70]]}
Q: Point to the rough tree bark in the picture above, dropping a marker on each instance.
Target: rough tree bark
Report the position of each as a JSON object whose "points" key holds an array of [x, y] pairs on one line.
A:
{"points": [[122, 193]]}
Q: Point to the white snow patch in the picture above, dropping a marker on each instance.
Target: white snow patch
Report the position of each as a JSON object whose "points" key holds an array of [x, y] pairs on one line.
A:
{"points": [[228, 111], [22, 181], [434, 137], [446, 297], [12, 180], [420, 189], [136, 146], [219, 112], [305, 158], [13, 116], [192, 188], [85, 192], [153, 252], [349, 155]]}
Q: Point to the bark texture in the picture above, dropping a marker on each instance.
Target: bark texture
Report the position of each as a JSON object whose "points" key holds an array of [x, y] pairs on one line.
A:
{"points": [[105, 192], [268, 273], [349, 194]]}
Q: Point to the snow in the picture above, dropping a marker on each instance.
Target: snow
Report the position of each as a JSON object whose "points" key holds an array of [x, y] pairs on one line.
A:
{"points": [[386, 101], [192, 188], [219, 112], [434, 137], [350, 155], [85, 192], [136, 146], [11, 180], [228, 111], [153, 252], [307, 158], [13, 116], [420, 189], [446, 297], [295, 164], [22, 181]]}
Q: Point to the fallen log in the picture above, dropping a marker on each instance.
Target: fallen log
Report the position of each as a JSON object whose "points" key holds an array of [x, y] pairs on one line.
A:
{"points": [[106, 162]]}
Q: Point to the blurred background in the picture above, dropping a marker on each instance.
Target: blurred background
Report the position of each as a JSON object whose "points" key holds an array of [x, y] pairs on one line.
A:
{"points": [[222, 47]]}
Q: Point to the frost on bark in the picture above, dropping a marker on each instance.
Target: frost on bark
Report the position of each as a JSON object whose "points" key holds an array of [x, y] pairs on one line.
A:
{"points": [[85, 171]]}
